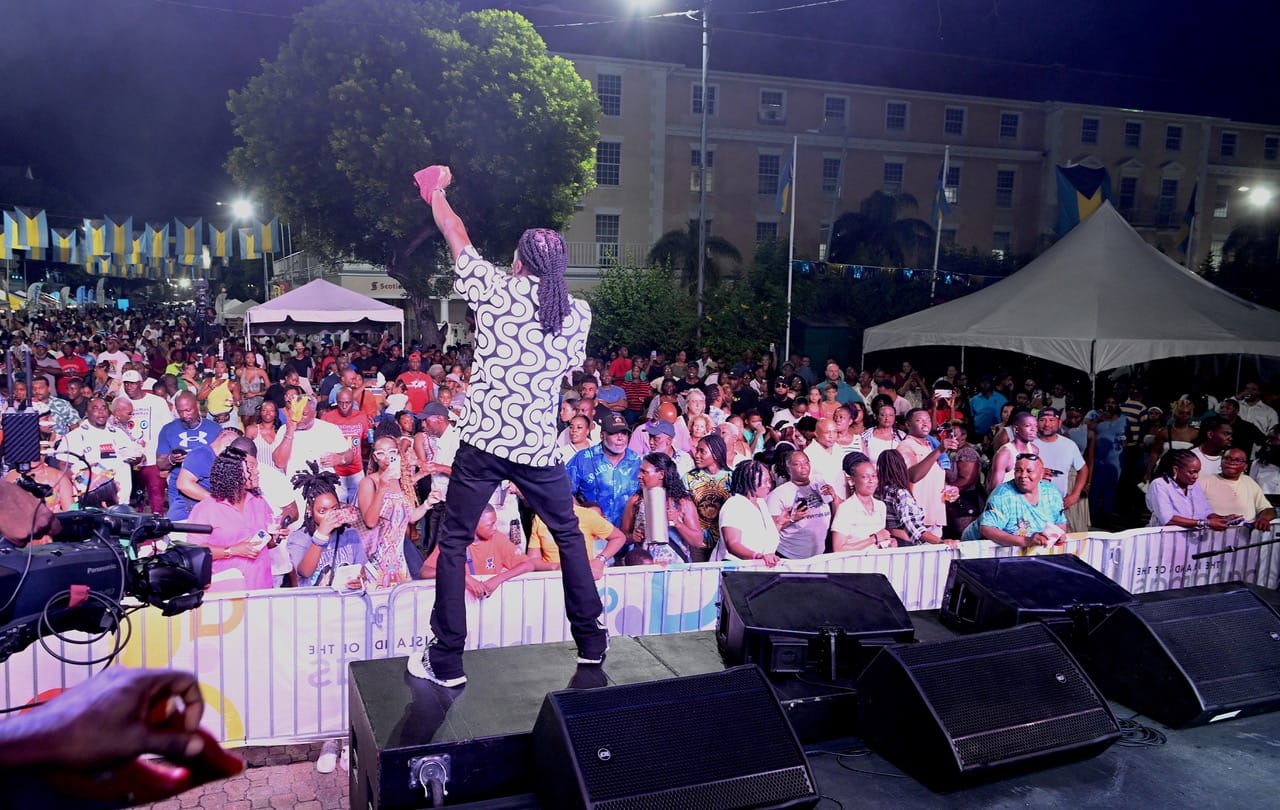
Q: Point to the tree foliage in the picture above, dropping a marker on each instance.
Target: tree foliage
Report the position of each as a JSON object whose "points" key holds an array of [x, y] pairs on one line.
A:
{"points": [[365, 92], [640, 307], [877, 234], [1251, 262], [679, 250]]}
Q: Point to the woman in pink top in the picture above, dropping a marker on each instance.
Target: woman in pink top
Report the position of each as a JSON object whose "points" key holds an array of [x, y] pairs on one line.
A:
{"points": [[237, 513]]}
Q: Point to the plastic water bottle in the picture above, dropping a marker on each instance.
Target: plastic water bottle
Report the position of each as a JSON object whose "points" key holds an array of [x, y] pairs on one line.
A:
{"points": [[516, 534]]}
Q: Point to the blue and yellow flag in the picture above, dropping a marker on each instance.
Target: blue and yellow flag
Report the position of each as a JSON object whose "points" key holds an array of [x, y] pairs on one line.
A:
{"points": [[188, 241], [26, 229], [785, 181], [219, 241], [269, 236], [249, 243], [65, 245], [941, 207], [119, 236], [95, 238], [137, 250], [155, 241], [1081, 191]]}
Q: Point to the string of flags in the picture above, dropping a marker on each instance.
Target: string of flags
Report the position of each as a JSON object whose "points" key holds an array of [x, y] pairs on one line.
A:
{"points": [[113, 247], [860, 271]]}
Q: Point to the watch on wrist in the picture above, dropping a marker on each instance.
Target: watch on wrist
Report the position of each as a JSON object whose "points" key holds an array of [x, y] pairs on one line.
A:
{"points": [[599, 557]]}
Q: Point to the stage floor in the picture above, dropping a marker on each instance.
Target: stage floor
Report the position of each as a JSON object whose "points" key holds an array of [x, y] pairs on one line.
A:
{"points": [[1229, 763]]}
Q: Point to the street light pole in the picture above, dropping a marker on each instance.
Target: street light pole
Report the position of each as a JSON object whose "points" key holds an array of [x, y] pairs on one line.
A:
{"points": [[702, 170]]}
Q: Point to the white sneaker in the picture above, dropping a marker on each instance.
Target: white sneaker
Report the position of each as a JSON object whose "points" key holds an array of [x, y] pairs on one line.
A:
{"points": [[419, 666], [328, 759]]}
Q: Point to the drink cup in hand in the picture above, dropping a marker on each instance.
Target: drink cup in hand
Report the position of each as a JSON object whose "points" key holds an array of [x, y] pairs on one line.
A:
{"points": [[430, 179]]}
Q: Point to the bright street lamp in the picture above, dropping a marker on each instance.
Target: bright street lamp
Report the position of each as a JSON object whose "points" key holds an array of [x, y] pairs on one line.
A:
{"points": [[1260, 196]]}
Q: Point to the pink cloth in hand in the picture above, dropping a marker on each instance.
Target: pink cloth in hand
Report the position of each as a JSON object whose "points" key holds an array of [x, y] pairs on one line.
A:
{"points": [[430, 179]]}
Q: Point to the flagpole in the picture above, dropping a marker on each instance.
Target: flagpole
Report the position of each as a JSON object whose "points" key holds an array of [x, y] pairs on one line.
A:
{"points": [[1191, 227], [937, 230], [791, 249]]}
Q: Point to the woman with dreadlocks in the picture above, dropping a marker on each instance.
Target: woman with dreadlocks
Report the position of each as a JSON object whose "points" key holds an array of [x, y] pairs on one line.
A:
{"points": [[528, 334], [327, 538], [240, 518]]}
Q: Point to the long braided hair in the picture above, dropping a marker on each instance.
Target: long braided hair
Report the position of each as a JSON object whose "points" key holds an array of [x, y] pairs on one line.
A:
{"points": [[542, 251], [312, 484]]}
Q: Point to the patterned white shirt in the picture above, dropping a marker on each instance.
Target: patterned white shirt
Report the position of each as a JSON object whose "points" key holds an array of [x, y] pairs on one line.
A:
{"points": [[516, 368]]}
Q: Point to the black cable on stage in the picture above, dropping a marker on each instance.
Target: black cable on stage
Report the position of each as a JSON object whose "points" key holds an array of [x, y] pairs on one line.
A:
{"points": [[825, 798], [1135, 735]]}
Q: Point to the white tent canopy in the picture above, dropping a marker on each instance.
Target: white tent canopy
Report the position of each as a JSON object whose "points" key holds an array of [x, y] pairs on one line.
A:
{"points": [[321, 306], [1099, 299]]}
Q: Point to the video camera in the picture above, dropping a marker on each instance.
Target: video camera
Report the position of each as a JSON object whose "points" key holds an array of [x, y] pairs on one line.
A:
{"points": [[77, 581]]}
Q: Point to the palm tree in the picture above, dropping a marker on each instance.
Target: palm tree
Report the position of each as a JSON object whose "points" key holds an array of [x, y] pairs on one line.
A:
{"points": [[679, 250], [875, 235]]}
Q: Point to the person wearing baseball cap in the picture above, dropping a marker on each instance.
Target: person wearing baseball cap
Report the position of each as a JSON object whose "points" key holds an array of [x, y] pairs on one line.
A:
{"points": [[1064, 467], [605, 473], [418, 385]]}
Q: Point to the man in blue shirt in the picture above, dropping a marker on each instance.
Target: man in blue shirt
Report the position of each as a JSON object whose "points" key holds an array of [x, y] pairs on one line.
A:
{"points": [[607, 473], [177, 438], [985, 406]]}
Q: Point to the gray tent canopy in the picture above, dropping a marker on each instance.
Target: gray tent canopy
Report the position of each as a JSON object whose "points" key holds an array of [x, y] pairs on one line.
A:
{"points": [[321, 306], [1099, 299]]}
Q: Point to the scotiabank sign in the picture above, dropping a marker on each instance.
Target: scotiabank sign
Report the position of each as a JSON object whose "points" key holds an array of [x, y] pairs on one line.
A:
{"points": [[374, 286]]}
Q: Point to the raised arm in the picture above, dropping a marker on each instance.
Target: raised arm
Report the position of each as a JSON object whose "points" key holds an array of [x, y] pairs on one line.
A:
{"points": [[432, 182]]}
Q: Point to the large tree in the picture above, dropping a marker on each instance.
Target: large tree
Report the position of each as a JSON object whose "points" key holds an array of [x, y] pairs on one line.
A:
{"points": [[878, 234], [365, 92], [679, 251]]}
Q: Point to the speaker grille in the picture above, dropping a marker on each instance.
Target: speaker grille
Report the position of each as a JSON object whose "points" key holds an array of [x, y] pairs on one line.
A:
{"points": [[669, 738], [1247, 668], [1033, 691]]}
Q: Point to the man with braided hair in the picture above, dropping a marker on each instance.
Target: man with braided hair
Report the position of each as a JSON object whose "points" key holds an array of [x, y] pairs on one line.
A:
{"points": [[528, 334]]}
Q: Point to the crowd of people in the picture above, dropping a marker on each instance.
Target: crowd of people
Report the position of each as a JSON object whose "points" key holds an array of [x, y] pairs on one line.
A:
{"points": [[327, 459]]}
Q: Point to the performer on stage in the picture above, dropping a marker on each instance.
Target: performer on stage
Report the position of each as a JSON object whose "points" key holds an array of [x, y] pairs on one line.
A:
{"points": [[528, 334]]}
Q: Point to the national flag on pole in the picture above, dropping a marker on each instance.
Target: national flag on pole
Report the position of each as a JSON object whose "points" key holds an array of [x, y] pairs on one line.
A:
{"points": [[219, 241], [188, 239], [26, 229], [269, 236], [156, 241], [941, 207], [136, 249], [785, 181], [249, 246], [119, 236], [1188, 222], [65, 245], [95, 237], [1081, 191]]}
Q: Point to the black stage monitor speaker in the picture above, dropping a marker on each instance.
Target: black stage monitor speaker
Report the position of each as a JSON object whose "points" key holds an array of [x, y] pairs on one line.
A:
{"points": [[21, 442], [1191, 656], [976, 706], [1000, 592], [795, 622], [719, 740]]}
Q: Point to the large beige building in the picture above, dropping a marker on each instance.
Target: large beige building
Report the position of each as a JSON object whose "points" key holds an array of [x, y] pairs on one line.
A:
{"points": [[853, 139]]}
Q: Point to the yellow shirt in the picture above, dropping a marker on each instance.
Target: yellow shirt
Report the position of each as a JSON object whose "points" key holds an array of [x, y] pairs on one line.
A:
{"points": [[595, 528], [1240, 497]]}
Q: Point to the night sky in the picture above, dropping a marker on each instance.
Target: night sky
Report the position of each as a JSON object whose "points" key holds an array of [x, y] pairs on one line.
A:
{"points": [[122, 103]]}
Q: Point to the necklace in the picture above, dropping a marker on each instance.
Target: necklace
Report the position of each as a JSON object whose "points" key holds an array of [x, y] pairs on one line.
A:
{"points": [[869, 508]]}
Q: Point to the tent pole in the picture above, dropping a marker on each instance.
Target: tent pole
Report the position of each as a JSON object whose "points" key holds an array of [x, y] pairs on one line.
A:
{"points": [[962, 359], [1093, 390], [1239, 362]]}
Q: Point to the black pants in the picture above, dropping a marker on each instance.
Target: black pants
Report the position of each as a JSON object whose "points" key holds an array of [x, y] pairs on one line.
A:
{"points": [[546, 489]]}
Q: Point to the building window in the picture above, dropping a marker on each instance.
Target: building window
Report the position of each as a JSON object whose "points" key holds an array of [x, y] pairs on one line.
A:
{"points": [[953, 121], [834, 109], [695, 166], [1133, 134], [1227, 146], [768, 171], [1271, 147], [766, 232], [893, 174], [824, 239], [1004, 188], [1128, 197], [1167, 206], [951, 186], [608, 226], [1173, 138], [1221, 202], [1089, 130], [949, 237], [773, 107], [609, 91], [830, 177], [1009, 126], [696, 107], [1001, 244], [608, 163], [895, 116]]}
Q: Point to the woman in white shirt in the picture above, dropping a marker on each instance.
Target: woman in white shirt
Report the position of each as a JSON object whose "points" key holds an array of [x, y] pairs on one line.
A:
{"points": [[746, 527], [860, 521]]}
